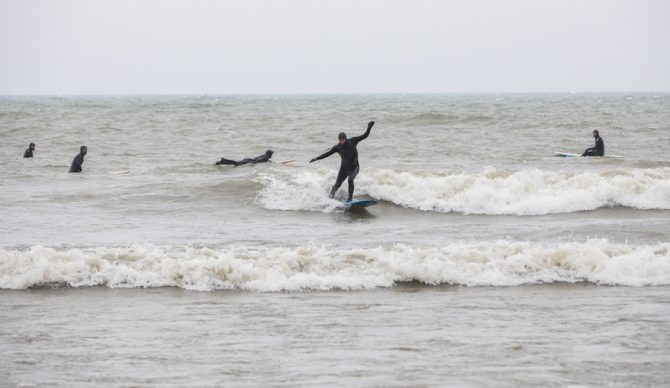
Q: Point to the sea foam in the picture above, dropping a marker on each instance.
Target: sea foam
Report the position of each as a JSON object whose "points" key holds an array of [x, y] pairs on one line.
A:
{"points": [[320, 267], [492, 191]]}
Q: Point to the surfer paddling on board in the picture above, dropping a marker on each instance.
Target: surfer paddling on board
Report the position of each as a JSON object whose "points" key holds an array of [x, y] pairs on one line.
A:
{"points": [[599, 149], [349, 154], [258, 159]]}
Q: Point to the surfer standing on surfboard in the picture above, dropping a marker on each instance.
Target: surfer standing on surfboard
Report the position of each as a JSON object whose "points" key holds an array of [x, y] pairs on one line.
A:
{"points": [[349, 154]]}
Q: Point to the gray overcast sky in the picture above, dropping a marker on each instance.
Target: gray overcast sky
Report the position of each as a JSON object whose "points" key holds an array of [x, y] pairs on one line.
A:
{"points": [[328, 46]]}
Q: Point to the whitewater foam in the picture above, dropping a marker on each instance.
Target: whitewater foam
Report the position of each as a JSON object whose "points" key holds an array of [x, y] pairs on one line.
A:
{"points": [[319, 267], [285, 189], [527, 192], [492, 191]]}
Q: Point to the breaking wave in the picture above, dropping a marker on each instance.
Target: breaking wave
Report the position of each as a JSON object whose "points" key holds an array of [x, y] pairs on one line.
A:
{"points": [[319, 267], [493, 191]]}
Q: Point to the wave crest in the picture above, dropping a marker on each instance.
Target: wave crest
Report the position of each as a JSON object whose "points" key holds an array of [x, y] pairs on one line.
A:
{"points": [[318, 267], [490, 192], [528, 192]]}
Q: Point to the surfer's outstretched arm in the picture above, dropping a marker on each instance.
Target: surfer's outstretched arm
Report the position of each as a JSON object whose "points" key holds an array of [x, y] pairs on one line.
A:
{"points": [[324, 155], [356, 139]]}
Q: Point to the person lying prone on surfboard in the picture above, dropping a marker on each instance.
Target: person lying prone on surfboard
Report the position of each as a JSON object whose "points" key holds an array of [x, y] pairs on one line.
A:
{"points": [[258, 159]]}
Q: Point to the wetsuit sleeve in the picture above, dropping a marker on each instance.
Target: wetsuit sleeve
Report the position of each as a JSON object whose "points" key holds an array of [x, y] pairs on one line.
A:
{"points": [[327, 154], [364, 136], [260, 159]]}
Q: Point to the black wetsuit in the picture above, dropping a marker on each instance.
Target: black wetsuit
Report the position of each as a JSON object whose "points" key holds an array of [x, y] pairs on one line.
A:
{"points": [[598, 150], [258, 159], [28, 153], [77, 162], [349, 166]]}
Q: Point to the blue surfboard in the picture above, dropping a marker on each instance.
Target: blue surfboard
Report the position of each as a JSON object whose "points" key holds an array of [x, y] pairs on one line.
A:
{"points": [[356, 203]]}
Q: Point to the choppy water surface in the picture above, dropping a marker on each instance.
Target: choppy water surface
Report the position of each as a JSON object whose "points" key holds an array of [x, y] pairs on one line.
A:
{"points": [[410, 335], [470, 195]]}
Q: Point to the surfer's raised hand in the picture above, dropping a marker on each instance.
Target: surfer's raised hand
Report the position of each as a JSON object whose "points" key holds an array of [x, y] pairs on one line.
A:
{"points": [[370, 124]]}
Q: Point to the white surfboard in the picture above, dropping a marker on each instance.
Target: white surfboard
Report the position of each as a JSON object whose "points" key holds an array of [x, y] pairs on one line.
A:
{"points": [[566, 154]]}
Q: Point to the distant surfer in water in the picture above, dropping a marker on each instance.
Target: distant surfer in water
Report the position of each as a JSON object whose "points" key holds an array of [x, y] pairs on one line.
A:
{"points": [[258, 159], [29, 151], [599, 149], [349, 154], [78, 160]]}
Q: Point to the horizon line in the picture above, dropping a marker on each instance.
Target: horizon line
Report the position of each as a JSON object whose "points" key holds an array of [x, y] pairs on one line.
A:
{"points": [[322, 93]]}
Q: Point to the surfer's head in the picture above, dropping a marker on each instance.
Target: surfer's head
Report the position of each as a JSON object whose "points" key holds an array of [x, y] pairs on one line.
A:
{"points": [[595, 133], [83, 150], [342, 137], [32, 146], [268, 153]]}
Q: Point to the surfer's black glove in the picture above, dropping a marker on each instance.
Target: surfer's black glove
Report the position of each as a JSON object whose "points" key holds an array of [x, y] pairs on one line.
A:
{"points": [[370, 124], [313, 160]]}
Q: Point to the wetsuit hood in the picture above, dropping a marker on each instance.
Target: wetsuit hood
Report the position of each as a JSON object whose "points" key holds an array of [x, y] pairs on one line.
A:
{"points": [[269, 153]]}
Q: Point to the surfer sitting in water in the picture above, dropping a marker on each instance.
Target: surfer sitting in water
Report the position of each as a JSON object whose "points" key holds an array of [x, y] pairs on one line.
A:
{"points": [[78, 160], [258, 159], [349, 154], [599, 149], [29, 151]]}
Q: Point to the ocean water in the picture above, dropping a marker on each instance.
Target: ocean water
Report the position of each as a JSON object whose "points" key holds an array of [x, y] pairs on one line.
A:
{"points": [[488, 261]]}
